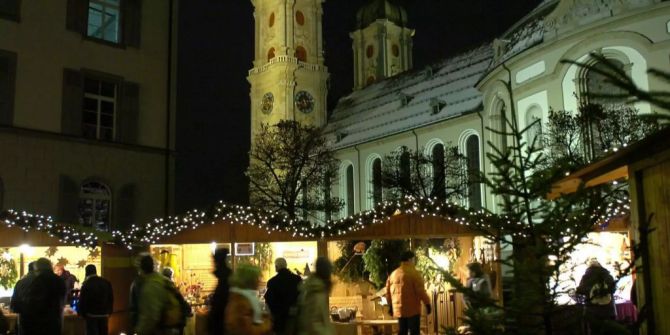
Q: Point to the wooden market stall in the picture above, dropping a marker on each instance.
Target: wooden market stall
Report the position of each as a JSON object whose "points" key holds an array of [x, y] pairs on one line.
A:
{"points": [[646, 167], [447, 304]]}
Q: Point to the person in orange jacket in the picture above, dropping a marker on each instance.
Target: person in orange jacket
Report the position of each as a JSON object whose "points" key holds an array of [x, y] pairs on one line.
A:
{"points": [[405, 291], [244, 314]]}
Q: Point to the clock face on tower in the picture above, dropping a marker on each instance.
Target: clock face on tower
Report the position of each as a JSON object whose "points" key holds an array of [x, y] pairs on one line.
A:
{"points": [[267, 103], [304, 102]]}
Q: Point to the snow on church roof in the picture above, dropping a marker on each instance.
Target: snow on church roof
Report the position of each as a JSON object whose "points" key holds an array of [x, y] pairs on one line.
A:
{"points": [[410, 100]]}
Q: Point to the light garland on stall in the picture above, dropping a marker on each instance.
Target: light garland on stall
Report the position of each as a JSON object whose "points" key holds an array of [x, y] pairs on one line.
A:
{"points": [[66, 234], [156, 230]]}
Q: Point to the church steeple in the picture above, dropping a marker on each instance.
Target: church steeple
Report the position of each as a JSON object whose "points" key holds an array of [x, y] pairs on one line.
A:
{"points": [[288, 80], [382, 42]]}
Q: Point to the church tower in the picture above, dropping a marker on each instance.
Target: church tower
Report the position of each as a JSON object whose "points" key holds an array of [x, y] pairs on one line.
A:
{"points": [[382, 42], [288, 79]]}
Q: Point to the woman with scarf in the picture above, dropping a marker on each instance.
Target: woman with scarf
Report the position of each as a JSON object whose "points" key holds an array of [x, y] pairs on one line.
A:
{"points": [[244, 313]]}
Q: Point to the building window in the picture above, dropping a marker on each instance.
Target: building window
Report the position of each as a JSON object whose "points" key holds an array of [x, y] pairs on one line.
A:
{"points": [[439, 171], [405, 169], [534, 132], [596, 84], [300, 18], [100, 102], [369, 51], [377, 189], [271, 21], [349, 185], [271, 54], [473, 168], [9, 9], [104, 20], [95, 202], [301, 53]]}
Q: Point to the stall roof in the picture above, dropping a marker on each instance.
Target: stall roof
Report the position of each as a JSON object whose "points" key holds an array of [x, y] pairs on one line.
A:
{"points": [[615, 166]]}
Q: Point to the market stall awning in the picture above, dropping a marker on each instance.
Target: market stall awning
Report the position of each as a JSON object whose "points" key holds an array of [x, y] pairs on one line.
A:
{"points": [[407, 226], [615, 166]]}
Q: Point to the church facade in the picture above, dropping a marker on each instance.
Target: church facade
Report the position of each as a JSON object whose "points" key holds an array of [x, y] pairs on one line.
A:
{"points": [[451, 102]]}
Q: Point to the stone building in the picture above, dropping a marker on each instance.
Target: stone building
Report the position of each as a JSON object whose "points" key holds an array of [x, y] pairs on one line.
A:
{"points": [[87, 109]]}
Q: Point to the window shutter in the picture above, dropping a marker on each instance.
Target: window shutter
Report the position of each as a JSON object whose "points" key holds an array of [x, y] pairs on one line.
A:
{"points": [[68, 200], [73, 97], [132, 18], [9, 9], [77, 16], [125, 206], [129, 111], [7, 86]]}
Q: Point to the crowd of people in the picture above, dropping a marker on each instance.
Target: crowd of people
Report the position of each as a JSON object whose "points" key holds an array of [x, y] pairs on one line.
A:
{"points": [[293, 306]]}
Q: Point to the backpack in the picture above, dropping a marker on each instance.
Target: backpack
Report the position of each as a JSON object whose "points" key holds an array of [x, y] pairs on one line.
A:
{"points": [[600, 294], [176, 309]]}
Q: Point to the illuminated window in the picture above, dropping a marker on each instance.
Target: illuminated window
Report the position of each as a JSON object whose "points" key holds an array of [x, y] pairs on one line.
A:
{"points": [[300, 18], [271, 54], [103, 20], [301, 53], [95, 202], [100, 101]]}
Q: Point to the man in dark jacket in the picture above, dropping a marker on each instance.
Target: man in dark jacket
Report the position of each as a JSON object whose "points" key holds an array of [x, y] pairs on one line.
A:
{"points": [[282, 294], [18, 296], [96, 301], [215, 323], [69, 280], [42, 311]]}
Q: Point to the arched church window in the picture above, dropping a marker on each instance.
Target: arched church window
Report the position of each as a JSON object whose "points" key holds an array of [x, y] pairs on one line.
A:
{"points": [[349, 179], [271, 21], [405, 170], [95, 202], [370, 51], [534, 133], [473, 168], [301, 53], [395, 50], [271, 54], [377, 181], [439, 171], [596, 84], [299, 18]]}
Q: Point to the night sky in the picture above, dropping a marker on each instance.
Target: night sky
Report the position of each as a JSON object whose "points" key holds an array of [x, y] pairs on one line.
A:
{"points": [[216, 45]]}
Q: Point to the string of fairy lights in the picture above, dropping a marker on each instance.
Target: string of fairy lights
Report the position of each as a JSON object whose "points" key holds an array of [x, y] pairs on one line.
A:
{"points": [[158, 229]]}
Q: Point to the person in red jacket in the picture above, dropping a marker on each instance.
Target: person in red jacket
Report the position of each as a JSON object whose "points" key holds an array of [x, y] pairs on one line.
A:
{"points": [[405, 291]]}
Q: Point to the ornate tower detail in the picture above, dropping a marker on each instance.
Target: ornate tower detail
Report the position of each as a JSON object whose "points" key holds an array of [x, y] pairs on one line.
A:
{"points": [[382, 42], [288, 79]]}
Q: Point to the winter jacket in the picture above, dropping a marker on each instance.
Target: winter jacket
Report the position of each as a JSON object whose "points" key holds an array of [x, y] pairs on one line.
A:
{"points": [[314, 318], [239, 317], [69, 280], [215, 321], [42, 311], [405, 291], [17, 303], [281, 295], [96, 297], [152, 300]]}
